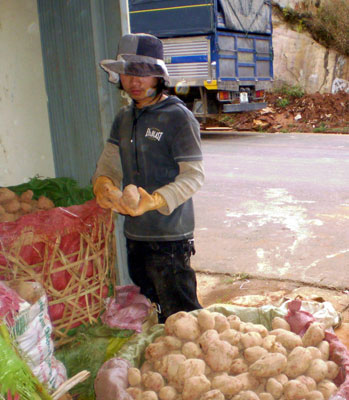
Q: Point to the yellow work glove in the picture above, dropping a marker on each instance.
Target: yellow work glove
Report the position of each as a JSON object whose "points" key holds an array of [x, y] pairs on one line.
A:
{"points": [[147, 202], [108, 195]]}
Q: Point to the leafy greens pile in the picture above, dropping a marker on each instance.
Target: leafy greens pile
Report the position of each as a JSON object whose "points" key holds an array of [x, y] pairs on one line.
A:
{"points": [[64, 192]]}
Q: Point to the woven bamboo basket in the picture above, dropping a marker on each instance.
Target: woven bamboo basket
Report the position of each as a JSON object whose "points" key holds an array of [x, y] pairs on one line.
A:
{"points": [[76, 267]]}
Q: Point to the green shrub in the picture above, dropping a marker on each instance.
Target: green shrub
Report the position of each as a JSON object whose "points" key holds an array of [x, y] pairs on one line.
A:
{"points": [[295, 91], [321, 128], [330, 25], [283, 102]]}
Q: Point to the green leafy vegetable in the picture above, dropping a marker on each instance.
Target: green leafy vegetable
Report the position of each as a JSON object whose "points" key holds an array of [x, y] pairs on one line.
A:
{"points": [[64, 192], [89, 350], [15, 375]]}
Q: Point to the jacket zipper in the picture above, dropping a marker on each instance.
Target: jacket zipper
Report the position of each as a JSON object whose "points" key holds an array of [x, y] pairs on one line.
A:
{"points": [[134, 139]]}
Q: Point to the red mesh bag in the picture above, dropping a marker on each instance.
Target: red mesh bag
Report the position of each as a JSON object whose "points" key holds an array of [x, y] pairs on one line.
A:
{"points": [[71, 252]]}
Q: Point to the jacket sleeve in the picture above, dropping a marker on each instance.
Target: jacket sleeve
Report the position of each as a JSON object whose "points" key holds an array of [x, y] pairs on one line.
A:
{"points": [[189, 180], [109, 164]]}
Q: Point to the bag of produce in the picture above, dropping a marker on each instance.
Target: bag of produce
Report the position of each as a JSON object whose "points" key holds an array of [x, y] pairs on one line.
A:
{"points": [[31, 330], [231, 352], [69, 250]]}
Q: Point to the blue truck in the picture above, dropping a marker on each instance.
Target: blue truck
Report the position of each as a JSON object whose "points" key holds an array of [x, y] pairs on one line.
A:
{"points": [[218, 53]]}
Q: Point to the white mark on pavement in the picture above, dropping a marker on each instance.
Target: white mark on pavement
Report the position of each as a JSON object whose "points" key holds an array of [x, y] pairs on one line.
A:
{"points": [[339, 253], [279, 207], [316, 262]]}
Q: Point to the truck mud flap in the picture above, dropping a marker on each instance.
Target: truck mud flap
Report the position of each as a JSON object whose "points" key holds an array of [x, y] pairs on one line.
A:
{"points": [[228, 108]]}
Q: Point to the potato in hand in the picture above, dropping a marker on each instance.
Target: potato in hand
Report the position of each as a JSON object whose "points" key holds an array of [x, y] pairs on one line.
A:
{"points": [[130, 196]]}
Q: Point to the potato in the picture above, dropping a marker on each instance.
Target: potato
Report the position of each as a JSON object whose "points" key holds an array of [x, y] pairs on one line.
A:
{"points": [[149, 395], [234, 322], [278, 348], [214, 394], [26, 196], [206, 320], [298, 362], [314, 395], [248, 395], [153, 381], [170, 364], [295, 390], [134, 392], [207, 338], [308, 381], [274, 387], [238, 366], [221, 322], [228, 385], [130, 196], [12, 206], [195, 386], [8, 217], [248, 381], [332, 370], [6, 195], [253, 353], [280, 323], [167, 393], [45, 203], [220, 355], [146, 367], [268, 342], [315, 352], [327, 388], [289, 340], [269, 365], [324, 348], [189, 368], [265, 396], [250, 327], [192, 350], [231, 336], [172, 342], [183, 325], [317, 370], [134, 376], [250, 339], [314, 335], [26, 207], [282, 378], [34, 204], [155, 351]]}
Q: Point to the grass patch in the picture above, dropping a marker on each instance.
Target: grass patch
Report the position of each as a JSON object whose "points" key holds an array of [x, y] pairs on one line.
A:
{"points": [[284, 102], [290, 91], [321, 128]]}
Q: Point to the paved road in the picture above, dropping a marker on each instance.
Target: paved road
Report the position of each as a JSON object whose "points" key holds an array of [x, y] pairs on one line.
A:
{"points": [[275, 205]]}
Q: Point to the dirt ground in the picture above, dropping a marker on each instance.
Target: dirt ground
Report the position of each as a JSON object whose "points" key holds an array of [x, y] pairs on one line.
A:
{"points": [[251, 292], [318, 113]]}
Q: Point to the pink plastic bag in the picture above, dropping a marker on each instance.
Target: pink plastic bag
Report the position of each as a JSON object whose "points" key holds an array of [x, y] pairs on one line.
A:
{"points": [[127, 310]]}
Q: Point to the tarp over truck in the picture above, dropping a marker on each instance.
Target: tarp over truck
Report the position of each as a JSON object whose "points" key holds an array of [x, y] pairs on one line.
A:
{"points": [[170, 18]]}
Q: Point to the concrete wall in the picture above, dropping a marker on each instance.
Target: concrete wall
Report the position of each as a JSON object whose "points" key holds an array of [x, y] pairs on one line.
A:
{"points": [[25, 140]]}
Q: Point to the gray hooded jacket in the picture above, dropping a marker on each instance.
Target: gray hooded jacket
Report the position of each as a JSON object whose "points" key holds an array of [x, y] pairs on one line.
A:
{"points": [[160, 150]]}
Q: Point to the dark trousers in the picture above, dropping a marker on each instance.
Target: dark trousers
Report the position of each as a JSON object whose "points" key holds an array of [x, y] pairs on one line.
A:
{"points": [[162, 271]]}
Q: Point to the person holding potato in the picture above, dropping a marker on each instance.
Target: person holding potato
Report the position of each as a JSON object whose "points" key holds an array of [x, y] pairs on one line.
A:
{"points": [[154, 153]]}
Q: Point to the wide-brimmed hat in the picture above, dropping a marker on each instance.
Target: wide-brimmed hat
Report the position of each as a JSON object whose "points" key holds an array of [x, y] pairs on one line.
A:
{"points": [[139, 54]]}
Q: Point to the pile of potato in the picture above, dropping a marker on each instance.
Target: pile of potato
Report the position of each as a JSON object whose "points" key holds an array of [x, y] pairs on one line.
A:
{"points": [[214, 357], [13, 206]]}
